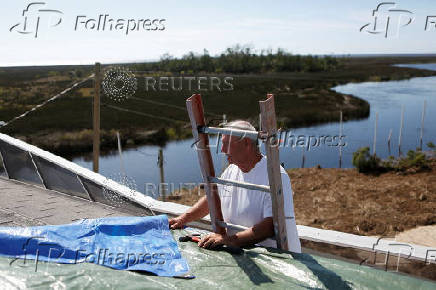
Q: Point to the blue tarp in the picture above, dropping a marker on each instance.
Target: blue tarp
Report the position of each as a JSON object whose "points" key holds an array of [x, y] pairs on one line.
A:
{"points": [[122, 243]]}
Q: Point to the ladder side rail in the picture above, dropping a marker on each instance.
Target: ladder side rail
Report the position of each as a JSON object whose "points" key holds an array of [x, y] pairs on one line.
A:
{"points": [[269, 125], [194, 106]]}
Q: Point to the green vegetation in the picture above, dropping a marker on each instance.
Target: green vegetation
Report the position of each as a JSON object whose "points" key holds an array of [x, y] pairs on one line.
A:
{"points": [[364, 161], [241, 60], [432, 147], [414, 161], [301, 85]]}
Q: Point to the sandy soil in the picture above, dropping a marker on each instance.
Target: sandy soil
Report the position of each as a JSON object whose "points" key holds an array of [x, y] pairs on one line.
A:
{"points": [[389, 205], [425, 236]]}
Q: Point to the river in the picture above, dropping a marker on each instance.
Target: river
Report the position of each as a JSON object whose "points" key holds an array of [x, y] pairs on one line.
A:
{"points": [[386, 100]]}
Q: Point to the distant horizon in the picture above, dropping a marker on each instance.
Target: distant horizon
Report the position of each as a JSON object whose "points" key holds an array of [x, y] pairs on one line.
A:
{"points": [[78, 33], [354, 55]]}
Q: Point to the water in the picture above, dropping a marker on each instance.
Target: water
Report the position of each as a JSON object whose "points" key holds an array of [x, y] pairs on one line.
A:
{"points": [[386, 98]]}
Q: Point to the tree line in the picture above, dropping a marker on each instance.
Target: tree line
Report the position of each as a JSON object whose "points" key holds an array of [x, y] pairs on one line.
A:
{"points": [[242, 59]]}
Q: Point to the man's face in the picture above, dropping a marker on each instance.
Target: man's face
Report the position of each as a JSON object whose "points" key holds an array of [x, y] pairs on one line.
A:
{"points": [[236, 149]]}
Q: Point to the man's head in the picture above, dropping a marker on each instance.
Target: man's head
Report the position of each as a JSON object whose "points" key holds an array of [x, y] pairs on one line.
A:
{"points": [[239, 150]]}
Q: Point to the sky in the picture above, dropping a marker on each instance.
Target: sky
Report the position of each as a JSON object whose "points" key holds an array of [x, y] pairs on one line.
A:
{"points": [[299, 27]]}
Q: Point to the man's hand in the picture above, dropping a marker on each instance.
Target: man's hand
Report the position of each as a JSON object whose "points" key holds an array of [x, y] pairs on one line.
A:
{"points": [[212, 240], [197, 211], [177, 222]]}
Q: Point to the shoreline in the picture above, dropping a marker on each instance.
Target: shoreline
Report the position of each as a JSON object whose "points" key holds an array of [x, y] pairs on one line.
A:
{"points": [[313, 91]]}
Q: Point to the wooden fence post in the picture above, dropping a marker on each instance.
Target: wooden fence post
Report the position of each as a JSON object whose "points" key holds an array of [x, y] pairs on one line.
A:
{"points": [[96, 118], [340, 138], [422, 125], [375, 134], [163, 191], [401, 130]]}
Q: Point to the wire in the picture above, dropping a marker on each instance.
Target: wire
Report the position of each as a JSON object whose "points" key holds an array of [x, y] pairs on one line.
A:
{"points": [[144, 114], [169, 105], [145, 153], [47, 101], [159, 103]]}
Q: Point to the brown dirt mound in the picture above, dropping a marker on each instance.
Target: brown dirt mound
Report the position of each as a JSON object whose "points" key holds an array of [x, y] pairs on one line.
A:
{"points": [[347, 201]]}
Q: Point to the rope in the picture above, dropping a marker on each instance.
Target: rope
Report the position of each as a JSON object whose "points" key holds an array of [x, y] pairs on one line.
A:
{"points": [[47, 101]]}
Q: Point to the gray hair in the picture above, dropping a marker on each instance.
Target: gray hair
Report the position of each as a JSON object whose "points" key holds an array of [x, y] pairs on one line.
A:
{"points": [[242, 125]]}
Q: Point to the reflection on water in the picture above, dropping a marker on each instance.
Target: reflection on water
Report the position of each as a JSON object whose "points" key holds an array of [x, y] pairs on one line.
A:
{"points": [[386, 98]]}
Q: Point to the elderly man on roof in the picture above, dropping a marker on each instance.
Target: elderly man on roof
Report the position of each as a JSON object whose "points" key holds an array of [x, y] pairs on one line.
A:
{"points": [[241, 206]]}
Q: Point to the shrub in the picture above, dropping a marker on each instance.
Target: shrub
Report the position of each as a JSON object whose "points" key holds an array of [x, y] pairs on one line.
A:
{"points": [[413, 159], [433, 148], [365, 162]]}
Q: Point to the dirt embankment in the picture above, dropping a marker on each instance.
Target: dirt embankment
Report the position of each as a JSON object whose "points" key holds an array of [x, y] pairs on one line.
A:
{"points": [[348, 201]]}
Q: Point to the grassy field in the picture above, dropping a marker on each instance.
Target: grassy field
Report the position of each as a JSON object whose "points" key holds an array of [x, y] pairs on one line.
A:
{"points": [[63, 126]]}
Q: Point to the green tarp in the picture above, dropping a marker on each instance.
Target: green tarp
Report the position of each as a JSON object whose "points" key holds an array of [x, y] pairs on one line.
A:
{"points": [[258, 267]]}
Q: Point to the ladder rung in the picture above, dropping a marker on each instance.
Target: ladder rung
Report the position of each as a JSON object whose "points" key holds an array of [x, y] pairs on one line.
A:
{"points": [[239, 184], [230, 226], [229, 131], [235, 227]]}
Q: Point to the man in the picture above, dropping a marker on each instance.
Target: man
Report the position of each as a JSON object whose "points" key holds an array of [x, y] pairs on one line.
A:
{"points": [[240, 206]]}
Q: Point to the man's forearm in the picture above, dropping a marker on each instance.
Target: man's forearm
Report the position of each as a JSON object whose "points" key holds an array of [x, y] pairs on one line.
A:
{"points": [[253, 235], [197, 211]]}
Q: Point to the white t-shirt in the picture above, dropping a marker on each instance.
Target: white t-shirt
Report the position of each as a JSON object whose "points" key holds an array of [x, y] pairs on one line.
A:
{"points": [[248, 207]]}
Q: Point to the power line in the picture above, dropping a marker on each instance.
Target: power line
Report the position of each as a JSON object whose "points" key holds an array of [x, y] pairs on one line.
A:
{"points": [[168, 105], [144, 114], [159, 103], [47, 101], [145, 153]]}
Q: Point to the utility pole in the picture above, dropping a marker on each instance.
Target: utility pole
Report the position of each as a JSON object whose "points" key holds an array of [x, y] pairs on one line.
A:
{"points": [[401, 130], [375, 134], [163, 192], [96, 117], [422, 125], [340, 138]]}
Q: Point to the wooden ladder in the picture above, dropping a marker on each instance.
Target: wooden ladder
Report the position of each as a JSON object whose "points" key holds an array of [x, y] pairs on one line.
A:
{"points": [[268, 134]]}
